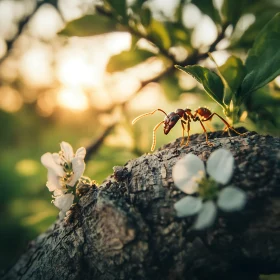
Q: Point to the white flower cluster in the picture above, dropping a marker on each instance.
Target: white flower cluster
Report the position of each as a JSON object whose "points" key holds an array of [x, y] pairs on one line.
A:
{"points": [[190, 176], [64, 172]]}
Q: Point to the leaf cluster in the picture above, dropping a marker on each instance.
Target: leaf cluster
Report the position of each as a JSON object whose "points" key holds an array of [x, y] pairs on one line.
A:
{"points": [[235, 85]]}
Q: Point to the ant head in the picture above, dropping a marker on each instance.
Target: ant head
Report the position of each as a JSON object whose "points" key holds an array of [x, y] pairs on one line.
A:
{"points": [[170, 120]]}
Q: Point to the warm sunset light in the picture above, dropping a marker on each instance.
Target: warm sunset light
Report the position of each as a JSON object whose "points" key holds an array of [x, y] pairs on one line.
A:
{"points": [[75, 70], [132, 129], [71, 98]]}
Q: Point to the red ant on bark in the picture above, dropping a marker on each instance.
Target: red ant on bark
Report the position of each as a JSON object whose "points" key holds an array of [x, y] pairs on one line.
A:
{"points": [[202, 114]]}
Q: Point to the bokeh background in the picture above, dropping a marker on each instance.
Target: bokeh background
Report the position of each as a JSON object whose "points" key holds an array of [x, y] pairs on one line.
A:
{"points": [[71, 72]]}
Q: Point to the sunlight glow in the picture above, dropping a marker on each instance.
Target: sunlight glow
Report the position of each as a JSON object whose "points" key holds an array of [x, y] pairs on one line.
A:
{"points": [[117, 42], [120, 138], [10, 99], [45, 103], [147, 101], [46, 22], [74, 99], [3, 47], [35, 66], [191, 15], [277, 81], [204, 33], [74, 70]]}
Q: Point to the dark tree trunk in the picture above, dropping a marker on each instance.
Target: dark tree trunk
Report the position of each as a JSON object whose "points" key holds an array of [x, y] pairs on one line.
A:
{"points": [[127, 228]]}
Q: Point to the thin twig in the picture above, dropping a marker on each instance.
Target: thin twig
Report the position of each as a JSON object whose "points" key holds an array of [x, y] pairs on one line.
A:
{"points": [[95, 145], [23, 23], [138, 34]]}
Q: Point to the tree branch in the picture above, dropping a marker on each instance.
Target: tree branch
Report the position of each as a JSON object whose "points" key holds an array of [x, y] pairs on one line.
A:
{"points": [[127, 228]]}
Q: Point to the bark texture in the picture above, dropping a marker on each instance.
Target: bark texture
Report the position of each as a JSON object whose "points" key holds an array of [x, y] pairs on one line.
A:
{"points": [[127, 228]]}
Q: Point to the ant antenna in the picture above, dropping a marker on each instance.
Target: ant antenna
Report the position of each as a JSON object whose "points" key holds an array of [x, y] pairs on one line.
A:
{"points": [[146, 114], [154, 135]]}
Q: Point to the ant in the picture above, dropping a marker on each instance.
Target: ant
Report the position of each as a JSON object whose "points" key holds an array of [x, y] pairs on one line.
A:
{"points": [[202, 114]]}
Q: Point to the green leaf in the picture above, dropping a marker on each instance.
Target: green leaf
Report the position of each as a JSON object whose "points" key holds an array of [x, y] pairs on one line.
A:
{"points": [[263, 59], [137, 5], [127, 59], [145, 16], [207, 7], [232, 11], [159, 35], [118, 7], [178, 34], [246, 40], [233, 72], [231, 199], [211, 82], [188, 206], [171, 87], [179, 11], [89, 25], [228, 94], [263, 97]]}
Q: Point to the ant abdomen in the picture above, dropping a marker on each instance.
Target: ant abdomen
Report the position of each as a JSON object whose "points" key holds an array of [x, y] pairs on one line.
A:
{"points": [[203, 112]]}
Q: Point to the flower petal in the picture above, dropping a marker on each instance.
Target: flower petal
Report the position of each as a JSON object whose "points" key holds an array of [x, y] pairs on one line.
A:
{"points": [[188, 206], [58, 192], [64, 202], [220, 166], [78, 167], [231, 199], [53, 182], [81, 152], [48, 161], [57, 159], [67, 150], [207, 215], [187, 171]]}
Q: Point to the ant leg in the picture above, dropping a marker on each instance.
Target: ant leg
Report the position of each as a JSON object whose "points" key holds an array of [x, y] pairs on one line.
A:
{"points": [[154, 135], [183, 130], [226, 129], [147, 114], [207, 142], [225, 122], [209, 126], [188, 140], [188, 131]]}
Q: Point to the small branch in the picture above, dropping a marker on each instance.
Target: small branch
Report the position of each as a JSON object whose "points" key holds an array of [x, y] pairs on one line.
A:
{"points": [[138, 34], [23, 23], [94, 146]]}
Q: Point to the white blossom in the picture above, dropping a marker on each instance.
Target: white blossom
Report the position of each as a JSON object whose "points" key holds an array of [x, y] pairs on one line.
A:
{"points": [[63, 202], [64, 168], [64, 171], [189, 175]]}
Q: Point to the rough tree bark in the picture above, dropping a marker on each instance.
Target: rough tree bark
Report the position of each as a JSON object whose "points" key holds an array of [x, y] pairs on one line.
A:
{"points": [[127, 228]]}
